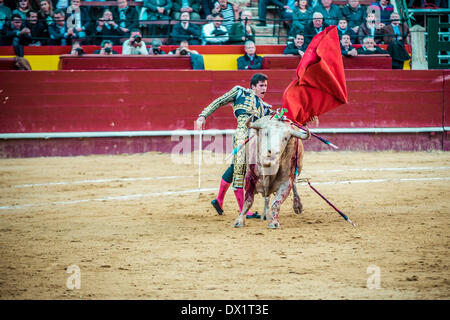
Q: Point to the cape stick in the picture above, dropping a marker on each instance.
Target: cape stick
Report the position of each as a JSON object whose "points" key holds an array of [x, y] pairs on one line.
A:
{"points": [[200, 159]]}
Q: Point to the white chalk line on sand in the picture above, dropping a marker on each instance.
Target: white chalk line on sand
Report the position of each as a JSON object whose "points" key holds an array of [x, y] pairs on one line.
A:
{"points": [[172, 193], [98, 181], [91, 181]]}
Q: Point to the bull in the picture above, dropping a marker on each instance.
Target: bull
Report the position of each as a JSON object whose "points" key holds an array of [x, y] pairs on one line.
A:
{"points": [[274, 157]]}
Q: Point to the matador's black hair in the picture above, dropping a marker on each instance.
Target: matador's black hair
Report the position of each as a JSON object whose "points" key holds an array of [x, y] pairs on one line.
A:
{"points": [[257, 77]]}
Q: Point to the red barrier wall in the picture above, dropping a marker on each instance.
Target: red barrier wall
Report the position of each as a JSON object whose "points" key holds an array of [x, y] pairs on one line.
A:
{"points": [[117, 62], [80, 101], [7, 64], [73, 101], [373, 61]]}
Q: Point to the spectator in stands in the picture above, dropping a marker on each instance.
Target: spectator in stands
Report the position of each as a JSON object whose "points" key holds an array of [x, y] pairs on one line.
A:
{"points": [[155, 48], [45, 14], [14, 33], [355, 13], [78, 18], [106, 48], [77, 49], [316, 26], [249, 61], [330, 11], [35, 5], [158, 10], [5, 14], [346, 46], [190, 6], [185, 30], [60, 33], [228, 11], [383, 10], [371, 28], [369, 47], [22, 8], [126, 17], [38, 31], [206, 7], [314, 3], [105, 28], [21, 63], [298, 47], [396, 36], [61, 4], [395, 31], [343, 28], [285, 9], [301, 16], [197, 61], [134, 45], [242, 31], [214, 32]]}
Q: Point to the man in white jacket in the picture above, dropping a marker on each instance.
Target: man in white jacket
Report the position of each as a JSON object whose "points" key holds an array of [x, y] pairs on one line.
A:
{"points": [[214, 32], [134, 45]]}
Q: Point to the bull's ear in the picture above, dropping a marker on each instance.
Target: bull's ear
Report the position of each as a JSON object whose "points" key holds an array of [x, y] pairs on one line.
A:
{"points": [[301, 135]]}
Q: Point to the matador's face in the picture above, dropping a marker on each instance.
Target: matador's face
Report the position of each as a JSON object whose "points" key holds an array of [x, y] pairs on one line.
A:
{"points": [[260, 88]]}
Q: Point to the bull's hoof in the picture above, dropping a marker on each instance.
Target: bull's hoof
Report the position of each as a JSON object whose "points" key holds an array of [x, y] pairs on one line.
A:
{"points": [[298, 207], [274, 224], [238, 223]]}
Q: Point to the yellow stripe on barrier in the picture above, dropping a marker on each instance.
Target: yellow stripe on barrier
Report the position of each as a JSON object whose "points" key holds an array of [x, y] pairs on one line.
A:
{"points": [[41, 62]]}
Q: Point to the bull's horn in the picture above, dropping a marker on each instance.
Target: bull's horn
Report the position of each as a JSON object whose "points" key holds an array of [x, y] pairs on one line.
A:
{"points": [[250, 124], [301, 135]]}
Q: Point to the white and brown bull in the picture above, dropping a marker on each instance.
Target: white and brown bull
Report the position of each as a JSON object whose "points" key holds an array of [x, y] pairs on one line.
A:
{"points": [[275, 151]]}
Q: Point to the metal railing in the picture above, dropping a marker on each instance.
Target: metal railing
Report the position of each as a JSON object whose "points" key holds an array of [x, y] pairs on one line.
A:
{"points": [[437, 35]]}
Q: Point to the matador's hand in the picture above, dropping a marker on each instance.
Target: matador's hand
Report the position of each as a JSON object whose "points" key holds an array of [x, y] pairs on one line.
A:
{"points": [[200, 123], [313, 119]]}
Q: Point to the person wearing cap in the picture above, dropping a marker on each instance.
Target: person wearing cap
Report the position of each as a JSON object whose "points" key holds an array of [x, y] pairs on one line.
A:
{"points": [[156, 47]]}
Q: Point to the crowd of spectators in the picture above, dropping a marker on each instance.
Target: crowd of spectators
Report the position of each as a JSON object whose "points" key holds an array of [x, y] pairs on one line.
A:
{"points": [[65, 22], [189, 20], [197, 21]]}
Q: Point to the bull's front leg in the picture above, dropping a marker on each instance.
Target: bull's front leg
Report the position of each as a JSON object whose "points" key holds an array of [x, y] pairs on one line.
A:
{"points": [[282, 194], [240, 220], [298, 207]]}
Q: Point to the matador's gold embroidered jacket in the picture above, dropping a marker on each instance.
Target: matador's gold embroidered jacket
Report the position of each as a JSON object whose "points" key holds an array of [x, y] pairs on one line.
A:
{"points": [[245, 103]]}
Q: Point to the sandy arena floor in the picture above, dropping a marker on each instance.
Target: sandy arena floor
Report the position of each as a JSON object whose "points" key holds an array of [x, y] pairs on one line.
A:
{"points": [[113, 218]]}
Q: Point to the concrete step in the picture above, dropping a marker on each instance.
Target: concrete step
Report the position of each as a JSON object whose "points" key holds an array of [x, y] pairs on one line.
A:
{"points": [[266, 33]]}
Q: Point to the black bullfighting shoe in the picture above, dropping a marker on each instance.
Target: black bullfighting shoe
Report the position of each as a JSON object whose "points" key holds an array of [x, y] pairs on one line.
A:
{"points": [[216, 206], [255, 215]]}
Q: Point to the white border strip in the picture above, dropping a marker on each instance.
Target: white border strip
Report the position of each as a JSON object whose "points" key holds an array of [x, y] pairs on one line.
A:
{"points": [[164, 133], [172, 193]]}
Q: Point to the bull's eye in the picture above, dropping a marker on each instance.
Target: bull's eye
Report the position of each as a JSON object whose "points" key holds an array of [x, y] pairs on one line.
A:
{"points": [[285, 138]]}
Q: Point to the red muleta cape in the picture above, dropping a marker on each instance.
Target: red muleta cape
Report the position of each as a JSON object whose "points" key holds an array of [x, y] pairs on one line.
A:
{"points": [[321, 85]]}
